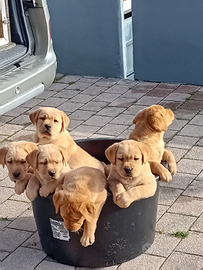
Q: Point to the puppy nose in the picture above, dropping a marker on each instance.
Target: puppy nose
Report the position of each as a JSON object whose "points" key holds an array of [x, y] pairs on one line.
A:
{"points": [[52, 173], [47, 126], [16, 174], [128, 170]]}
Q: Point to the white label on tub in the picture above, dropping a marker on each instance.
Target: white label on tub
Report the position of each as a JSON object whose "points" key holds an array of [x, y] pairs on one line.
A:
{"points": [[58, 230]]}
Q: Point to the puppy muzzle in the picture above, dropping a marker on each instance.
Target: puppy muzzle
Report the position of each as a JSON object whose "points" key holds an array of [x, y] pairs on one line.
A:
{"points": [[16, 175], [52, 173], [47, 129], [128, 171]]}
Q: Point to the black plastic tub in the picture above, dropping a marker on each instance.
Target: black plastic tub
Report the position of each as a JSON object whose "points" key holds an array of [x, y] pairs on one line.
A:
{"points": [[121, 234]]}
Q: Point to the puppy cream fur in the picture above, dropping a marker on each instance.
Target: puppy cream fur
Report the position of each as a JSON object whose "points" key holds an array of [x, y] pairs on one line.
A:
{"points": [[150, 125], [130, 177], [48, 163], [13, 157], [80, 201], [51, 127]]}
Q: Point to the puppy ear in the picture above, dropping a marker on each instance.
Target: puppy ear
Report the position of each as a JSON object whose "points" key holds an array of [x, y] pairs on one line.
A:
{"points": [[3, 152], [87, 209], [65, 121], [58, 198], [111, 153], [138, 117], [29, 147], [169, 117], [32, 158], [63, 152], [34, 116], [145, 150]]}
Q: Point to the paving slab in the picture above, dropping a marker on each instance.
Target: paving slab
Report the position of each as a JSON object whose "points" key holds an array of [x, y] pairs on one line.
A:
{"points": [[195, 189], [48, 265], [5, 193], [163, 245], [24, 222], [23, 259], [190, 166], [144, 262], [195, 153], [148, 101], [167, 196], [177, 96], [178, 124], [186, 88], [11, 239], [191, 244], [179, 181], [187, 206], [12, 209], [198, 224], [179, 260], [123, 102], [112, 129], [192, 130], [81, 98], [97, 120], [33, 242], [69, 107], [9, 129], [182, 142], [171, 223]]}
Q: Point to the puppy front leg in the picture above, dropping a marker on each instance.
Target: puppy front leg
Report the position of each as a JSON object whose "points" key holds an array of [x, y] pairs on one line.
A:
{"points": [[125, 199], [170, 159], [59, 187], [116, 188], [51, 186], [159, 169], [88, 237], [20, 185], [32, 188]]}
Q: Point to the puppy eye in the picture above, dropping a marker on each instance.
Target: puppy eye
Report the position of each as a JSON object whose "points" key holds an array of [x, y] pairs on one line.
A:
{"points": [[44, 162], [55, 120], [9, 161], [121, 158], [23, 161], [42, 118], [136, 158]]}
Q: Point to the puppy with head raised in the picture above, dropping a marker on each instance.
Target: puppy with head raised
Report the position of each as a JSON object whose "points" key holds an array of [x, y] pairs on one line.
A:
{"points": [[48, 163], [13, 157], [130, 177], [81, 200], [51, 127], [150, 125]]}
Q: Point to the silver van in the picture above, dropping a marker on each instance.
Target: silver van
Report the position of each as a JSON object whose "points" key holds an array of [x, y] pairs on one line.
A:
{"points": [[27, 59]]}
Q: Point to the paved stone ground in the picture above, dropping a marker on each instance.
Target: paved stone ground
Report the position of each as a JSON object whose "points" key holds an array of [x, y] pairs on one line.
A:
{"points": [[100, 107]]}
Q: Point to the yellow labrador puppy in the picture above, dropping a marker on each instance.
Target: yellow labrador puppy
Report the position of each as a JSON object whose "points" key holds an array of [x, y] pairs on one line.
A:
{"points": [[150, 125], [81, 200], [51, 127], [13, 157], [130, 177], [48, 163]]}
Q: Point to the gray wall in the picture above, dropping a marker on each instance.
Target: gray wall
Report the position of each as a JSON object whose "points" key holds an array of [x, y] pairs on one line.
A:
{"points": [[168, 40], [87, 37]]}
